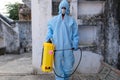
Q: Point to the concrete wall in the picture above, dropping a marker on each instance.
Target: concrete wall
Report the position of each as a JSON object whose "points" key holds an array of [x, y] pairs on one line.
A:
{"points": [[88, 64], [1, 37], [1, 30], [111, 33], [87, 35], [2, 43], [16, 38], [10, 37], [90, 8], [23, 28]]}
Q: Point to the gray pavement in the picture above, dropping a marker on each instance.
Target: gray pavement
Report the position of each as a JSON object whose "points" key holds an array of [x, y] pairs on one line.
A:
{"points": [[12, 63], [19, 67]]}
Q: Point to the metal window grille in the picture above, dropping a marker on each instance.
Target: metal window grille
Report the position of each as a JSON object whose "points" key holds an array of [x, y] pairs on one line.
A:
{"points": [[55, 8]]}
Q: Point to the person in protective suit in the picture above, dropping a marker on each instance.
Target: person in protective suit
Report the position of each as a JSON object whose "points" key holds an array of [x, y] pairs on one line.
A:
{"points": [[63, 31]]}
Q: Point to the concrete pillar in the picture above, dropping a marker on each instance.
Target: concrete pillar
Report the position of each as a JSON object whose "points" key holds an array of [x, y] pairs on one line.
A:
{"points": [[111, 34], [41, 13]]}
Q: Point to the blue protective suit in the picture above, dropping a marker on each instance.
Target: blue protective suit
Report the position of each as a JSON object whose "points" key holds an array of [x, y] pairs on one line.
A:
{"points": [[64, 34]]}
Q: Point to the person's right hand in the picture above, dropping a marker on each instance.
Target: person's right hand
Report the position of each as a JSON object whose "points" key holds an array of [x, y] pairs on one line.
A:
{"points": [[75, 49], [49, 41]]}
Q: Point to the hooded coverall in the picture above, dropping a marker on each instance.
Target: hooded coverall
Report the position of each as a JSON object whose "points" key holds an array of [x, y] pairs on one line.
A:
{"points": [[64, 34]]}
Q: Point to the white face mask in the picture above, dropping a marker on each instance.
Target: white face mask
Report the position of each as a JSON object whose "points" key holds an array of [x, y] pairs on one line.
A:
{"points": [[63, 11]]}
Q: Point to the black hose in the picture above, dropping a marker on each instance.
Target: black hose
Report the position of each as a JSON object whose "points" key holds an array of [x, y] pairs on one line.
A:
{"points": [[75, 68]]}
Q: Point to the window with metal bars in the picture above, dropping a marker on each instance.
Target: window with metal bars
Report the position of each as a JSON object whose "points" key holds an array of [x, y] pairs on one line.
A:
{"points": [[55, 9]]}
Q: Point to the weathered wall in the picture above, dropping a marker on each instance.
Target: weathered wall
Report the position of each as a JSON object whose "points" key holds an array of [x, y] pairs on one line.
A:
{"points": [[1, 31], [1, 37], [91, 24], [25, 35], [91, 27], [111, 33], [88, 64], [27, 2], [10, 37], [15, 38]]}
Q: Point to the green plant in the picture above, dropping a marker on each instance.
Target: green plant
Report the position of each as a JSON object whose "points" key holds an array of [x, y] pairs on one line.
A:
{"points": [[13, 10]]}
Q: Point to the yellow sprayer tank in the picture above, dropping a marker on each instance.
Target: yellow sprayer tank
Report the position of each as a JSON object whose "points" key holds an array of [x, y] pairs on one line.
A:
{"points": [[47, 57]]}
